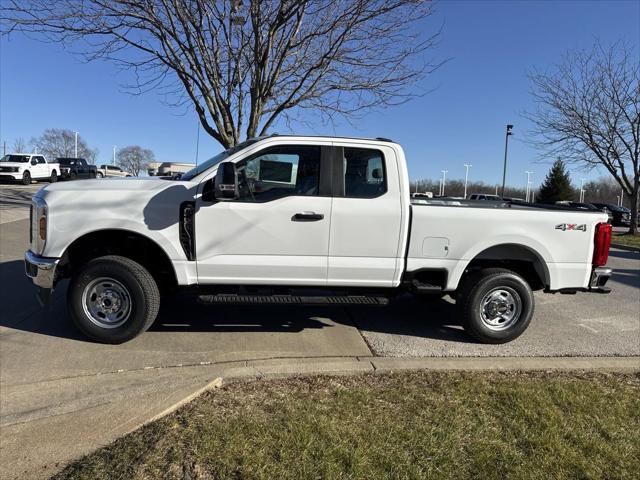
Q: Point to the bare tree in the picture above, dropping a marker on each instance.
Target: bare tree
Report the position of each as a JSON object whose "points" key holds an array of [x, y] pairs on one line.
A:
{"points": [[589, 113], [244, 64], [134, 159], [19, 145], [59, 142], [604, 190]]}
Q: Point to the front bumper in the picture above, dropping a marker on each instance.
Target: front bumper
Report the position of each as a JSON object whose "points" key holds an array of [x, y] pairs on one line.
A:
{"points": [[41, 270], [599, 278], [12, 176]]}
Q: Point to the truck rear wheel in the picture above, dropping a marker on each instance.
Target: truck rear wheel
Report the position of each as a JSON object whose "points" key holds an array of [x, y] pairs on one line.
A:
{"points": [[113, 299], [496, 305]]}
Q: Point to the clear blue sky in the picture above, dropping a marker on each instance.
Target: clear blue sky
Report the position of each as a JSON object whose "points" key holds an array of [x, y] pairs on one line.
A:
{"points": [[483, 87]]}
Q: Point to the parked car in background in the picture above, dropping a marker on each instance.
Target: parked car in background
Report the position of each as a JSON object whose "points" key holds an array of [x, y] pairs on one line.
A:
{"points": [[168, 169], [76, 168], [111, 171], [484, 196], [621, 216], [25, 167], [590, 207]]}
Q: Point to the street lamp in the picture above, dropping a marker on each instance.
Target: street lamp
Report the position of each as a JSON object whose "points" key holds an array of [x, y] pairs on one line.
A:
{"points": [[76, 150], [582, 190], [114, 155], [529, 173], [506, 144], [444, 178], [466, 177]]}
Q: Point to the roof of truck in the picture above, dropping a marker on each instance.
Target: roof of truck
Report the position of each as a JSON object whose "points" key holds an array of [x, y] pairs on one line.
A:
{"points": [[293, 135]]}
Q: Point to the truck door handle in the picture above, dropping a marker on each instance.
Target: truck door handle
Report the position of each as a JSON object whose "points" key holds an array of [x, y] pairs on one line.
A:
{"points": [[307, 217]]}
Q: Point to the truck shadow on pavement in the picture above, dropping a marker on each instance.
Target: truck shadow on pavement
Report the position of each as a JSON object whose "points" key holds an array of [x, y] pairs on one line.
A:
{"points": [[431, 318], [405, 316]]}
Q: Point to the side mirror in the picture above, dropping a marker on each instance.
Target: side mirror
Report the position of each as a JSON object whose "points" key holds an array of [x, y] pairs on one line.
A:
{"points": [[34, 161], [226, 182]]}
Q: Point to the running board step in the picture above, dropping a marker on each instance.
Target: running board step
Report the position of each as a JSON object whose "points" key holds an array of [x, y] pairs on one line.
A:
{"points": [[232, 299]]}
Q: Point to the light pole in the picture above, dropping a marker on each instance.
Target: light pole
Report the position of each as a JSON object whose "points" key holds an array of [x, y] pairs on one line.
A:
{"points": [[113, 162], [444, 179], [529, 173], [582, 190], [76, 149], [508, 133], [466, 177]]}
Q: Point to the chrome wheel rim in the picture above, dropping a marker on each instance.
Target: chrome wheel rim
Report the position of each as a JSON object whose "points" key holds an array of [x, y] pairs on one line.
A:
{"points": [[106, 302], [500, 308]]}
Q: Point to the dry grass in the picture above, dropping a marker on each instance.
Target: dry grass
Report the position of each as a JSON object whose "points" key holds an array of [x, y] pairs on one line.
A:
{"points": [[626, 239], [410, 425]]}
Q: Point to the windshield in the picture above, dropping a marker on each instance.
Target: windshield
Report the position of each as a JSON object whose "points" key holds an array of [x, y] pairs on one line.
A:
{"points": [[217, 159], [15, 158]]}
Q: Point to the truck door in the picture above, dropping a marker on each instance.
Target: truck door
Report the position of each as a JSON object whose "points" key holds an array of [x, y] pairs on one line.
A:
{"points": [[277, 232], [40, 169], [366, 217]]}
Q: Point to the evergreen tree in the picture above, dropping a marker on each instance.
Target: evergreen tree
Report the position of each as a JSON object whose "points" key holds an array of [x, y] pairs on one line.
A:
{"points": [[557, 185]]}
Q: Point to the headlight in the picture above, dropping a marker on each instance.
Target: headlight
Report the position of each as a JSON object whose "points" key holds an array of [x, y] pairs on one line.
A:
{"points": [[39, 222]]}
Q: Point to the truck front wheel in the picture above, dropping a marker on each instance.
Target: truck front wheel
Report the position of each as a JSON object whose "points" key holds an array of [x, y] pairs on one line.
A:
{"points": [[496, 305], [26, 178], [113, 299]]}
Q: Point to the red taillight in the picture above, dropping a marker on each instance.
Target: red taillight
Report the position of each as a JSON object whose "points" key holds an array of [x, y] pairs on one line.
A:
{"points": [[601, 244]]}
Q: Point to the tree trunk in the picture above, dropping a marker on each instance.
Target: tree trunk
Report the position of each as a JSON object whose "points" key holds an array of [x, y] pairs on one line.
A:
{"points": [[633, 226]]}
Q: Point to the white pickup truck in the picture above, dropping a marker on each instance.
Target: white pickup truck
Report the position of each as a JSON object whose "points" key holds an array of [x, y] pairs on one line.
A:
{"points": [[25, 167], [306, 220]]}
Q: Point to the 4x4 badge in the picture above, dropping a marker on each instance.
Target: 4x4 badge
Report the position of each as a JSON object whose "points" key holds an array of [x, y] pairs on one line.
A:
{"points": [[571, 226]]}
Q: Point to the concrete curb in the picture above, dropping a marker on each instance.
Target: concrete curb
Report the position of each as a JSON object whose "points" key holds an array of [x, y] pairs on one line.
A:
{"points": [[217, 383], [245, 371], [625, 247]]}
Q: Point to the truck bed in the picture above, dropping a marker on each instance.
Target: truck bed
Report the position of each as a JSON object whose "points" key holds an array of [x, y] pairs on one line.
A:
{"points": [[453, 232]]}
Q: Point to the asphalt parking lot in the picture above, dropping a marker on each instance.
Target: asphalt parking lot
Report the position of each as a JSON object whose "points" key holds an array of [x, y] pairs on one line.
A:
{"points": [[51, 377]]}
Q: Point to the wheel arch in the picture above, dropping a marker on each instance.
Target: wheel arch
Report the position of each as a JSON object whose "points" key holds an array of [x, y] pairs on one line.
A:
{"points": [[522, 259], [122, 242]]}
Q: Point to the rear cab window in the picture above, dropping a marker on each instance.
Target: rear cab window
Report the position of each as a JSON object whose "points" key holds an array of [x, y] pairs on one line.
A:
{"points": [[364, 173]]}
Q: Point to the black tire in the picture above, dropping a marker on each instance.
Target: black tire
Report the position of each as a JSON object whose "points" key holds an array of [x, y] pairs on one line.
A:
{"points": [[140, 291], [73, 176], [99, 175], [54, 177], [26, 178], [505, 286]]}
